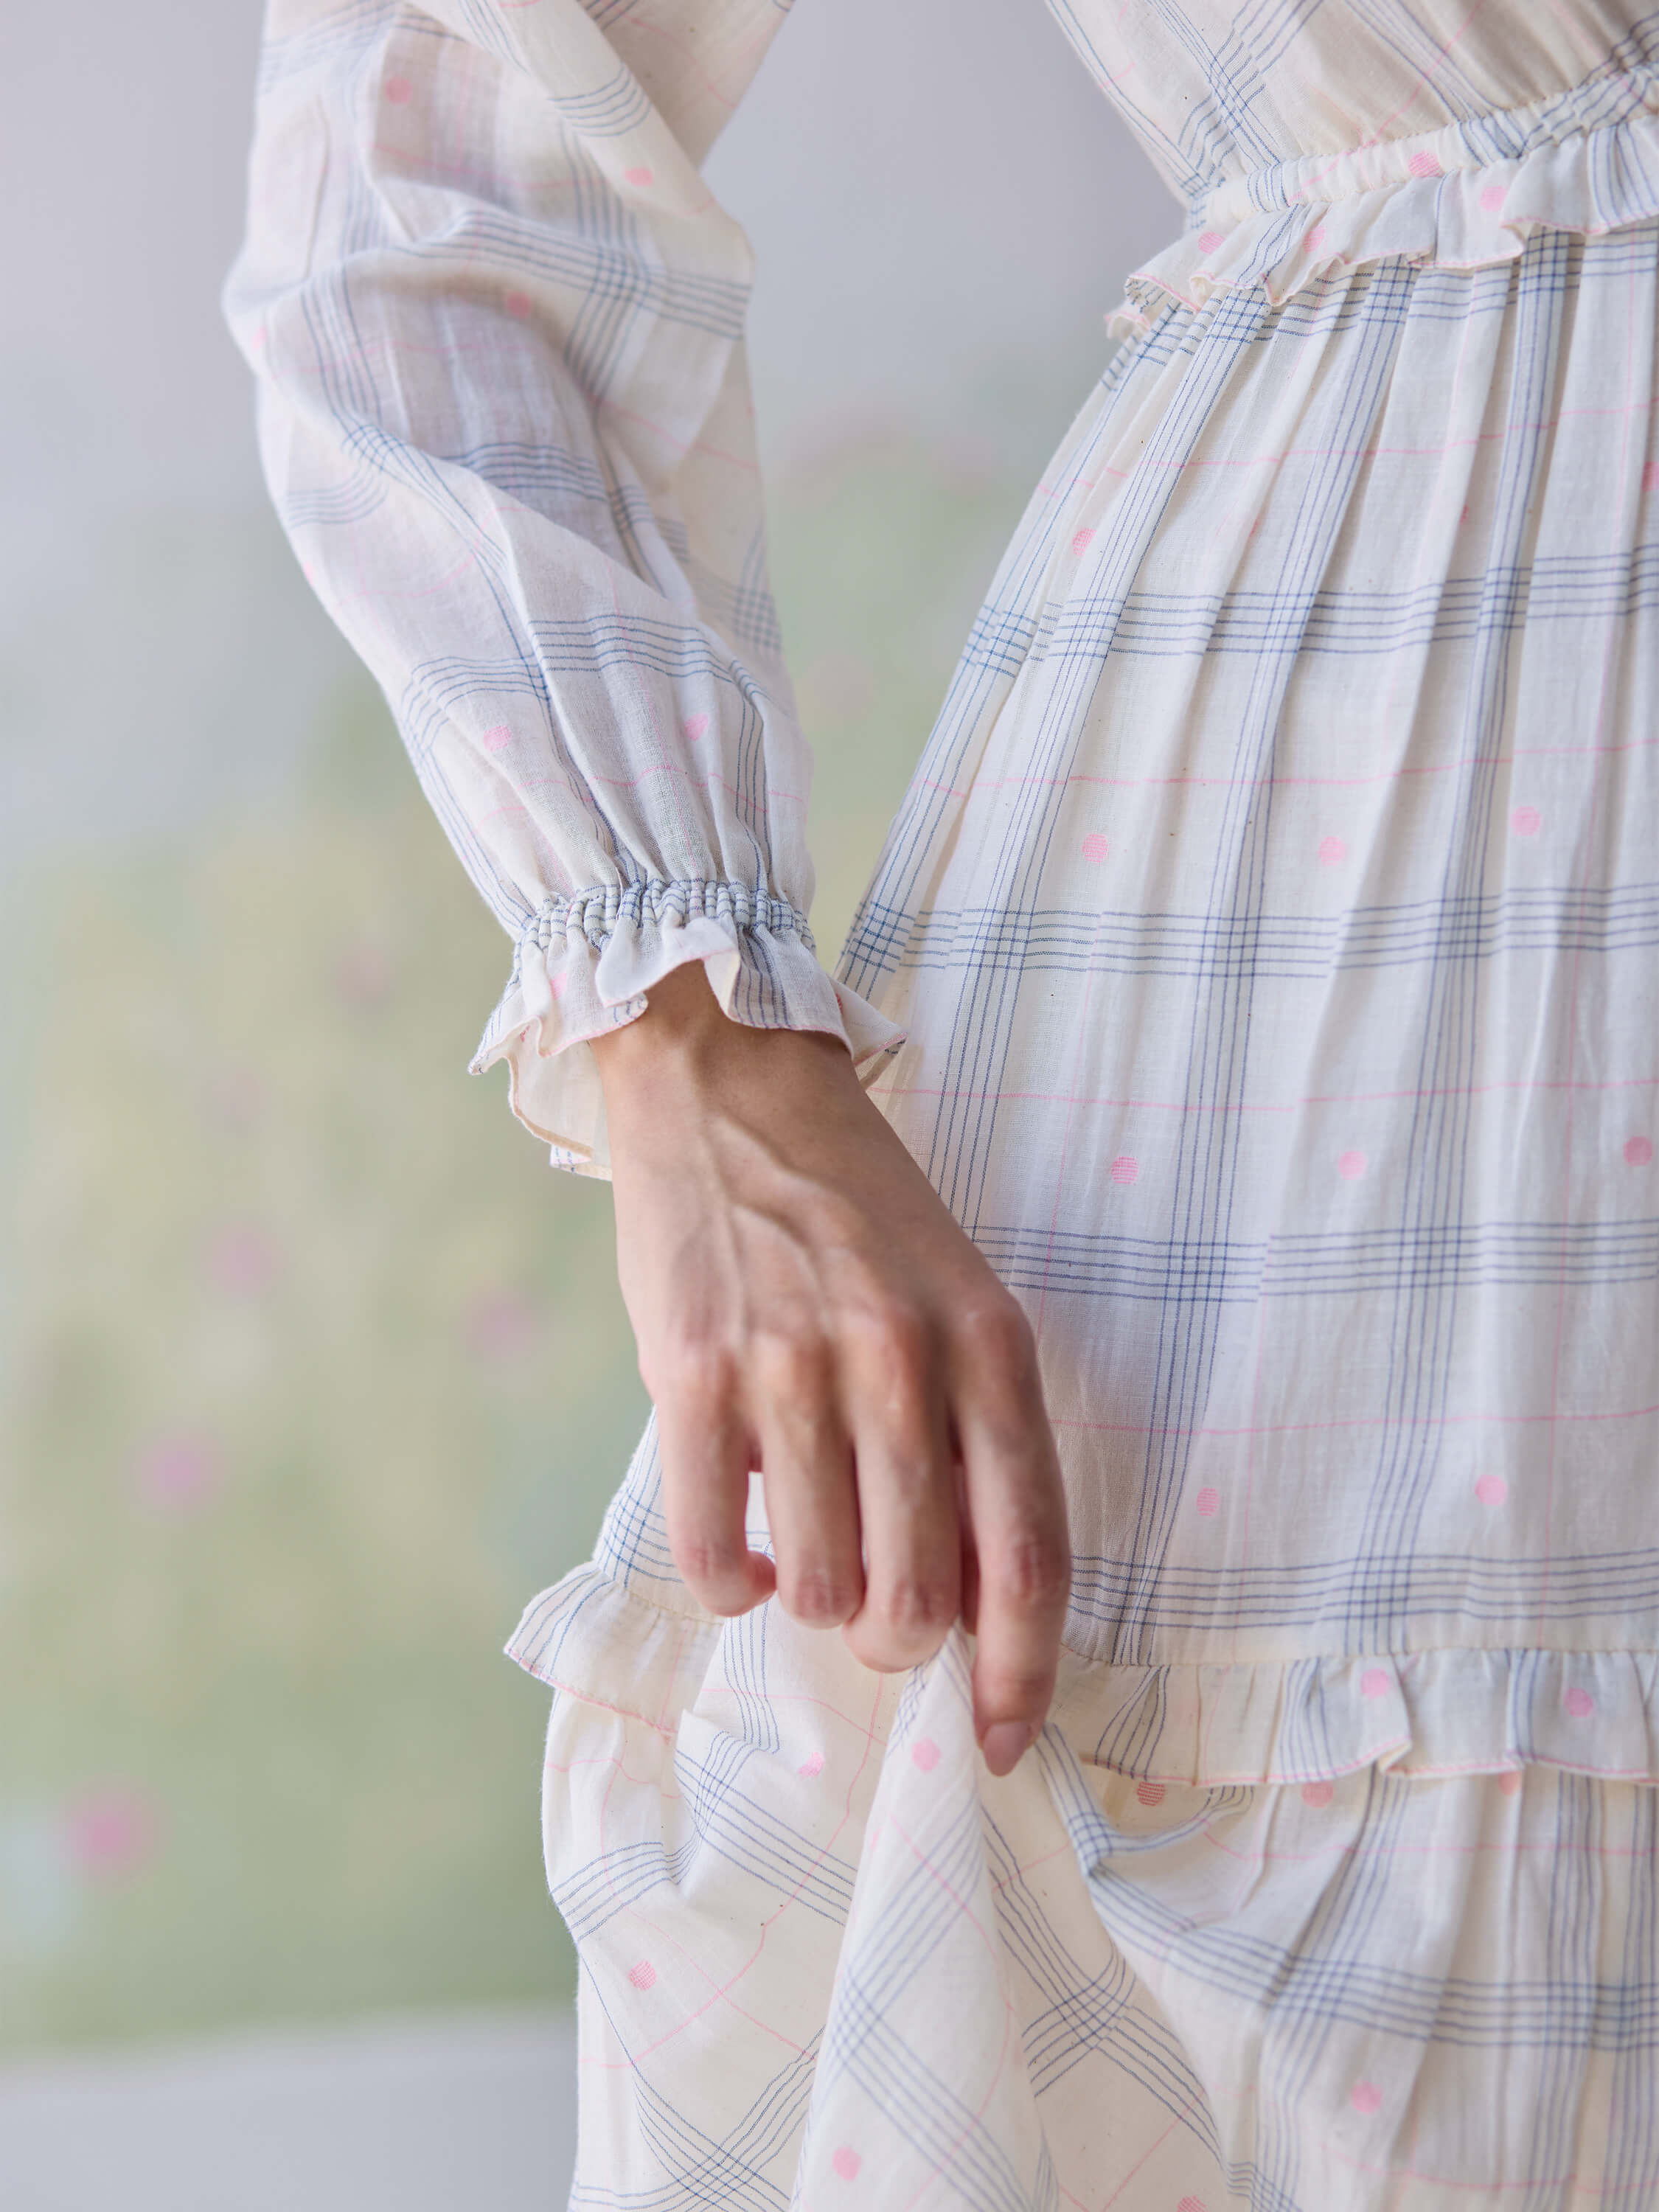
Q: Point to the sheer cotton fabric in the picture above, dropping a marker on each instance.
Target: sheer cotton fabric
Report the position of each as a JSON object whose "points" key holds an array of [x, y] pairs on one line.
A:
{"points": [[496, 320], [1271, 927]]}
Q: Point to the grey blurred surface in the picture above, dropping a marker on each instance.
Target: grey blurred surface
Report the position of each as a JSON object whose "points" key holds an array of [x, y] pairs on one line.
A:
{"points": [[457, 2115], [943, 209]]}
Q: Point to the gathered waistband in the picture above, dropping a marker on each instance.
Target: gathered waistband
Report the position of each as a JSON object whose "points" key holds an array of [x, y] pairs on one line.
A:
{"points": [[1603, 106], [1469, 196]]}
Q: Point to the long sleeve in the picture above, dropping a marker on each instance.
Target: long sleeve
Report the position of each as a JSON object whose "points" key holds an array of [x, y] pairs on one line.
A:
{"points": [[496, 321]]}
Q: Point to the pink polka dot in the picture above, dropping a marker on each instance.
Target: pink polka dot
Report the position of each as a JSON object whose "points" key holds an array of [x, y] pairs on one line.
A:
{"points": [[1525, 821], [1638, 1152], [1375, 1682], [1208, 241], [498, 738], [1150, 1793], [518, 304], [1492, 198], [1579, 1703], [1351, 1166], [1491, 1489], [1082, 540], [925, 1754], [1124, 1168], [811, 1764], [399, 91], [1650, 477], [1510, 1782], [1314, 238], [1365, 2097], [640, 176], [1332, 852], [694, 725], [1424, 165], [642, 1974], [846, 2162], [1095, 846], [1208, 1502], [1317, 1794]]}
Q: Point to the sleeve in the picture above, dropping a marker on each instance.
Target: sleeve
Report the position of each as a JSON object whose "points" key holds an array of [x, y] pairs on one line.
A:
{"points": [[497, 323]]}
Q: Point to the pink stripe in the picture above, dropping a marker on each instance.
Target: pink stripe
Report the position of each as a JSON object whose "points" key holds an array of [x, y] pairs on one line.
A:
{"points": [[1356, 1421]]}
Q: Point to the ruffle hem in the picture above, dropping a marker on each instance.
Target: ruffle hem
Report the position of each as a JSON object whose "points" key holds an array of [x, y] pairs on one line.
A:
{"points": [[1422, 1714]]}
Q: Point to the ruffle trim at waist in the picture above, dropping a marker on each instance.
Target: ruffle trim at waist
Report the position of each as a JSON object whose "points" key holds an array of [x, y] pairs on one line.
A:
{"points": [[1466, 197], [1462, 1710]]}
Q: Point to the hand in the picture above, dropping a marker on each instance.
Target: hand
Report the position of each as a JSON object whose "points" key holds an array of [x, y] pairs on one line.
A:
{"points": [[805, 1304]]}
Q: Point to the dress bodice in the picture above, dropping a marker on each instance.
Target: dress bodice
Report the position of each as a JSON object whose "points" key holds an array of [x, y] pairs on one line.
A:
{"points": [[1215, 90]]}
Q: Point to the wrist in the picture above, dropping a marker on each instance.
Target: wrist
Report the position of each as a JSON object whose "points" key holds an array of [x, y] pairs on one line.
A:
{"points": [[685, 1034]]}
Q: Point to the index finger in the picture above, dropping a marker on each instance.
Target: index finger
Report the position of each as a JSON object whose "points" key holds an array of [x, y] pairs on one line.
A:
{"points": [[1016, 1510]]}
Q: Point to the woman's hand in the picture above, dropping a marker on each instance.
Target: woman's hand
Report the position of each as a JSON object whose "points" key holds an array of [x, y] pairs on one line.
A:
{"points": [[805, 1304]]}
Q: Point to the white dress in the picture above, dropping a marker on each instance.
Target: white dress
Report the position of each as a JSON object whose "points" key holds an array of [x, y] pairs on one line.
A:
{"points": [[1264, 966]]}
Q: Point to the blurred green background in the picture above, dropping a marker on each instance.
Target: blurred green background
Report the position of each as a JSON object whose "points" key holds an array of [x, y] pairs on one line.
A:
{"points": [[321, 1372], [311, 1370]]}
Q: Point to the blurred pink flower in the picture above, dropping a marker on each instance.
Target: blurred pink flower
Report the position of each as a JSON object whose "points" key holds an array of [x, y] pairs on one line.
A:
{"points": [[242, 1260], [177, 1474], [111, 1831], [236, 1098], [501, 1326], [362, 974]]}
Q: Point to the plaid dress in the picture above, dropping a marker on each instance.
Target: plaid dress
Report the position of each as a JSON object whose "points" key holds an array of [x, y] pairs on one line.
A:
{"points": [[1264, 966]]}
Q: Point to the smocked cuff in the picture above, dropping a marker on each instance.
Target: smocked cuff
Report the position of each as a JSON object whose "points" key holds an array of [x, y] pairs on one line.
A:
{"points": [[585, 966]]}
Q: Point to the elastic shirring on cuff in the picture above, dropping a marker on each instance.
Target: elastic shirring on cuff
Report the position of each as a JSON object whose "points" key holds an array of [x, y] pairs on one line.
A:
{"points": [[594, 914]]}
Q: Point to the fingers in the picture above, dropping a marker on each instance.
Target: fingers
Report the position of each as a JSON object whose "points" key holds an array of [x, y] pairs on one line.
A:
{"points": [[812, 1506], [704, 1460], [907, 1493], [1016, 1509], [911, 1478]]}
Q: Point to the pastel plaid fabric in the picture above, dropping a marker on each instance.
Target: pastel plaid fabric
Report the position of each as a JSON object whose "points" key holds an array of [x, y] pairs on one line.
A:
{"points": [[497, 319], [1263, 965]]}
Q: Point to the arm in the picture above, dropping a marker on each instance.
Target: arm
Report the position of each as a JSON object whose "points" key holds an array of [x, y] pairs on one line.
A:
{"points": [[497, 319]]}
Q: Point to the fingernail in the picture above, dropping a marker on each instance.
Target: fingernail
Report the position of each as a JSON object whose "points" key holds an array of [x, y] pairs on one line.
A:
{"points": [[1005, 1745]]}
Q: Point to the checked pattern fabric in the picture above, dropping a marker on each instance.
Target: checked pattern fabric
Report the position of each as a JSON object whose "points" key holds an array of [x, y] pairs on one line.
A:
{"points": [[1264, 965]]}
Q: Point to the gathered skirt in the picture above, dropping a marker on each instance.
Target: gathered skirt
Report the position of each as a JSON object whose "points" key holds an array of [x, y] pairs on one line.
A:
{"points": [[1274, 921]]}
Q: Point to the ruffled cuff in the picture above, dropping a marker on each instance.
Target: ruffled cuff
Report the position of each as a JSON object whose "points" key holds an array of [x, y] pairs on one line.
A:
{"points": [[586, 965]]}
